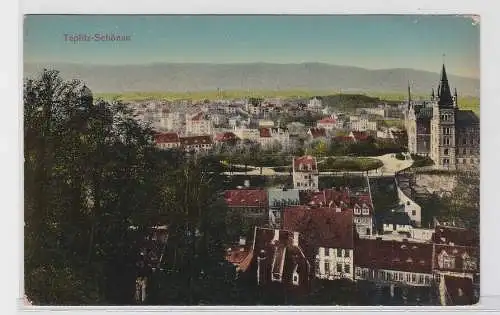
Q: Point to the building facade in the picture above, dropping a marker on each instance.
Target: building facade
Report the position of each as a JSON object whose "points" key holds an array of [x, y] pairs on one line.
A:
{"points": [[305, 173], [437, 128]]}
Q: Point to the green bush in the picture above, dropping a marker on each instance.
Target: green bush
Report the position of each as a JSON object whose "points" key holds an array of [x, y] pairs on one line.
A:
{"points": [[349, 164], [400, 156]]}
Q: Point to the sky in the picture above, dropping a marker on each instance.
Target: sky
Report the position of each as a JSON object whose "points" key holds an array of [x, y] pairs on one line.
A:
{"points": [[367, 41]]}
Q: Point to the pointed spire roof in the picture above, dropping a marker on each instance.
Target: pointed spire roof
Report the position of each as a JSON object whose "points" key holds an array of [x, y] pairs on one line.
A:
{"points": [[409, 94], [444, 91]]}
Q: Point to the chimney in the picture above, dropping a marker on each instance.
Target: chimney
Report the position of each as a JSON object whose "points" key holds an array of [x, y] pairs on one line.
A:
{"points": [[243, 241], [295, 238], [246, 183]]}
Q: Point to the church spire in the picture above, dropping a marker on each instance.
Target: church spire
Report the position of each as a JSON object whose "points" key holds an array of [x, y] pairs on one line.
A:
{"points": [[409, 94], [456, 97], [432, 94], [444, 92]]}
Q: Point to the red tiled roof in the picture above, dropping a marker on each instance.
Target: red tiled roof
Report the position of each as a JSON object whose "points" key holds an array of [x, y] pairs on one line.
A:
{"points": [[317, 132], [327, 120], [265, 132], [196, 140], [321, 227], [393, 255], [457, 236], [169, 137], [246, 198], [305, 160], [327, 198], [238, 254], [225, 136], [460, 290]]}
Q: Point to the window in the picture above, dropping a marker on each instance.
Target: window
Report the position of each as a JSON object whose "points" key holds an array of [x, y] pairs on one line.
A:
{"points": [[357, 210], [414, 278], [427, 279], [346, 253], [445, 151], [339, 252], [295, 278], [401, 276], [347, 268], [339, 267], [464, 151], [327, 267], [407, 277], [421, 279], [446, 141], [413, 213]]}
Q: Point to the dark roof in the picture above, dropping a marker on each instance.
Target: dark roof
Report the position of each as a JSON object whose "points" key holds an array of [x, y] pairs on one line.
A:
{"points": [[169, 137], [396, 217], [393, 255], [466, 118], [459, 290], [321, 227], [455, 235], [279, 256], [225, 136], [444, 91]]}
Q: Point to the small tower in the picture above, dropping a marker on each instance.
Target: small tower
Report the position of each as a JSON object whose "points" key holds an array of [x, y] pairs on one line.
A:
{"points": [[442, 150], [456, 97], [433, 96]]}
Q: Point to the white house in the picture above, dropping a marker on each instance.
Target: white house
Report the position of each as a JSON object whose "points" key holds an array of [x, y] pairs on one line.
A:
{"points": [[333, 242], [315, 105], [246, 133], [305, 173], [198, 125], [327, 123], [413, 210], [268, 137], [363, 124]]}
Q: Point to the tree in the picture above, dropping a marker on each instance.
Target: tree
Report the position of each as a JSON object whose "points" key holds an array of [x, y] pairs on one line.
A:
{"points": [[89, 175]]}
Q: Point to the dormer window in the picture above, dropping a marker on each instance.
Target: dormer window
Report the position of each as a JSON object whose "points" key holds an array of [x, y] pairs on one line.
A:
{"points": [[366, 211], [295, 276], [357, 211]]}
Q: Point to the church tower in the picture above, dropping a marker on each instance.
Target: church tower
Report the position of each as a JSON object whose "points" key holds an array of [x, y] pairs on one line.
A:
{"points": [[411, 124], [442, 150]]}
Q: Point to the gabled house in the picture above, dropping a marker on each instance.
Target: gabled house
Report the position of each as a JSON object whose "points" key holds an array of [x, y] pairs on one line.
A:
{"points": [[327, 123], [393, 263], [305, 173], [278, 261], [328, 235], [168, 140], [196, 143], [251, 204]]}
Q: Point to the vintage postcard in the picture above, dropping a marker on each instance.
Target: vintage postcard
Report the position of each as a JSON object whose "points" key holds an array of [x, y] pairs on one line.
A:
{"points": [[251, 160]]}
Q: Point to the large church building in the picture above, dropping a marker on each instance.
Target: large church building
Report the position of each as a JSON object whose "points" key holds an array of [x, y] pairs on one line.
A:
{"points": [[438, 129]]}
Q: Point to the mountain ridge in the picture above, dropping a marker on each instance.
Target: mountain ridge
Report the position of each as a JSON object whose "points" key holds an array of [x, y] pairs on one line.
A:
{"points": [[183, 77]]}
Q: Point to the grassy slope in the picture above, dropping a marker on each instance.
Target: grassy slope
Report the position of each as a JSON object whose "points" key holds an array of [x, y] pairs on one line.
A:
{"points": [[471, 103]]}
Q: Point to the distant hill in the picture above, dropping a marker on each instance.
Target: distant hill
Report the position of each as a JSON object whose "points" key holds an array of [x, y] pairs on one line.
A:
{"points": [[253, 76]]}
